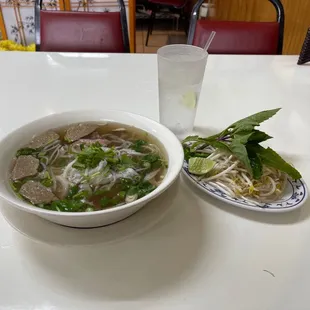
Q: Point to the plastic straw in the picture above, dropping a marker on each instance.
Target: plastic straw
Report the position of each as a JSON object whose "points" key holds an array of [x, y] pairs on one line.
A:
{"points": [[211, 37]]}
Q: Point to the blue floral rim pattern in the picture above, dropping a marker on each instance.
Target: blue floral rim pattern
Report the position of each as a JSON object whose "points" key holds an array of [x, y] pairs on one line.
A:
{"points": [[296, 196]]}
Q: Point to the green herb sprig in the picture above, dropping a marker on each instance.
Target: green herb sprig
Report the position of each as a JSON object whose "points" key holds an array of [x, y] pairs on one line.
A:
{"points": [[91, 156], [138, 145], [243, 141]]}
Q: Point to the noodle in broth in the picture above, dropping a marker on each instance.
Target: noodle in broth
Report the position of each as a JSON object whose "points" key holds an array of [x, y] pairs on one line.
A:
{"points": [[88, 167]]}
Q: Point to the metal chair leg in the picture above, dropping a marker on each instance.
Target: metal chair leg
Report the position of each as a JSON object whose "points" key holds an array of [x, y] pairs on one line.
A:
{"points": [[151, 24], [177, 23], [186, 21], [153, 20]]}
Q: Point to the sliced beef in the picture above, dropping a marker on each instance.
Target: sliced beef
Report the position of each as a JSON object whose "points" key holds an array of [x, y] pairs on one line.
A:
{"points": [[43, 139], [25, 166], [77, 131], [37, 193], [94, 135]]}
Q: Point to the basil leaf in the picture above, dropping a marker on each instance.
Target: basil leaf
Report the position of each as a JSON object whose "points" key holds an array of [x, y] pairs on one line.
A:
{"points": [[244, 128], [255, 119], [259, 136], [242, 137], [195, 146], [272, 159], [240, 151], [220, 145], [191, 152], [242, 140], [256, 164], [188, 154]]}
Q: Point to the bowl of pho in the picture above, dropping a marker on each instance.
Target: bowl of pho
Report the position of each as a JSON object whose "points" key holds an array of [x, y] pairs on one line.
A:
{"points": [[88, 168]]}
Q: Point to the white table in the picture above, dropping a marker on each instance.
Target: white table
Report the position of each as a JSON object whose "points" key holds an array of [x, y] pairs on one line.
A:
{"points": [[185, 250]]}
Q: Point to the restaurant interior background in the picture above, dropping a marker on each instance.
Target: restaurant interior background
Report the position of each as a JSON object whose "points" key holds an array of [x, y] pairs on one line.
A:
{"points": [[17, 19]]}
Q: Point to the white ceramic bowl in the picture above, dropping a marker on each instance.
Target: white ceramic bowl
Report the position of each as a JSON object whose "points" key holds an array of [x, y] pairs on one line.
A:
{"points": [[13, 141]]}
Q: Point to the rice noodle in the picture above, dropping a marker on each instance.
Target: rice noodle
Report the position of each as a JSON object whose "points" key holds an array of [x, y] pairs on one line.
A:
{"points": [[90, 168], [86, 187], [113, 138], [52, 176], [129, 173], [51, 146], [152, 148], [54, 155], [131, 198], [125, 145], [43, 166], [131, 152], [67, 169], [151, 175], [64, 187]]}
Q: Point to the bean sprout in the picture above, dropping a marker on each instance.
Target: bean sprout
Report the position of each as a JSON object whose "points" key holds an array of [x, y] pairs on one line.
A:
{"points": [[230, 176]]}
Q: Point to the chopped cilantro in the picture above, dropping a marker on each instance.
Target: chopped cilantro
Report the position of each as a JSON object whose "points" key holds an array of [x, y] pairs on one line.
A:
{"points": [[81, 195], [122, 194], [47, 182], [125, 162], [66, 205], [93, 154], [151, 158], [26, 151], [138, 145], [104, 202], [99, 192], [73, 191], [141, 189], [152, 161]]}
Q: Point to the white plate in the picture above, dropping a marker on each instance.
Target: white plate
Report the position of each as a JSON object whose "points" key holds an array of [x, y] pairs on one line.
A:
{"points": [[294, 197]]}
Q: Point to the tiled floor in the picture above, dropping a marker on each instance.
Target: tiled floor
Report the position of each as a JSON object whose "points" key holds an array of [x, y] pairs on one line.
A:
{"points": [[163, 34]]}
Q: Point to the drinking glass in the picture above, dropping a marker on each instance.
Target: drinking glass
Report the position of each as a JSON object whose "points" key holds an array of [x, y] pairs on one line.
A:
{"points": [[180, 74]]}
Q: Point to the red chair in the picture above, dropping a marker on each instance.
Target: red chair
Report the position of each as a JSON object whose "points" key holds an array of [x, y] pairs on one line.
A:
{"points": [[84, 32], [156, 5], [232, 37]]}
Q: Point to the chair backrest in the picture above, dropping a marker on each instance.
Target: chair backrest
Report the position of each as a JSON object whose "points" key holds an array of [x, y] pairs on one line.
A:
{"points": [[234, 37], [85, 32], [304, 56]]}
